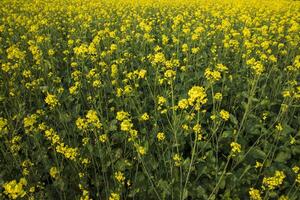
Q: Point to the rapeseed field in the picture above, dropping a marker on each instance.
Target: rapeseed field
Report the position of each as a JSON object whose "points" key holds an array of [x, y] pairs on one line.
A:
{"points": [[149, 99]]}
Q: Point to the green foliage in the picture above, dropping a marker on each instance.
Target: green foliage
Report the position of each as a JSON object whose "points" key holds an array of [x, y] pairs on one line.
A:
{"points": [[149, 99]]}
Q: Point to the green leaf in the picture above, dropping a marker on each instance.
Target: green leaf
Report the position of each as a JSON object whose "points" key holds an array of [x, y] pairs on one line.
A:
{"points": [[227, 134], [201, 192], [256, 153], [295, 149], [185, 194], [282, 157], [164, 186], [233, 119]]}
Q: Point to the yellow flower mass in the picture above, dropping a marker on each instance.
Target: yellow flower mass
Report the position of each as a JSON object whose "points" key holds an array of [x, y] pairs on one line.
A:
{"points": [[51, 100], [254, 194], [54, 172], [15, 189], [274, 181], [235, 147], [160, 136], [149, 99], [224, 115]]}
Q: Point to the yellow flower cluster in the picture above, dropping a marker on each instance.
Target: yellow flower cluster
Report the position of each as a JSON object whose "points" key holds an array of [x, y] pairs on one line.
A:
{"points": [[51, 100], [283, 197], [54, 173], [224, 115], [198, 131], [73, 89], [144, 117], [90, 122], [197, 97], [160, 136], [121, 115], [183, 104], [135, 75], [177, 160], [254, 194], [119, 176], [131, 82], [256, 66], [212, 75], [14, 189], [258, 164], [296, 170], [126, 124], [170, 74], [279, 127], [29, 123], [13, 52], [140, 149], [274, 181], [93, 78], [60, 147], [218, 96], [235, 147], [114, 196], [14, 144], [68, 152], [158, 58], [85, 195], [103, 138], [161, 102], [3, 126], [298, 179], [26, 165]]}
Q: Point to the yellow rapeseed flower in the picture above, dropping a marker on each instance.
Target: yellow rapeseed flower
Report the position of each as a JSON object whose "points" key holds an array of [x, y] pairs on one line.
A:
{"points": [[218, 96], [121, 115], [160, 136], [51, 100], [144, 117], [14, 189], [103, 138], [126, 125], [183, 104], [177, 160], [54, 172], [274, 181], [235, 147], [254, 194], [197, 96], [114, 196], [224, 115]]}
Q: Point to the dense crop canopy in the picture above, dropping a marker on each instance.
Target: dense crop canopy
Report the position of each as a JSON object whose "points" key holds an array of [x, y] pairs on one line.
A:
{"points": [[149, 99]]}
